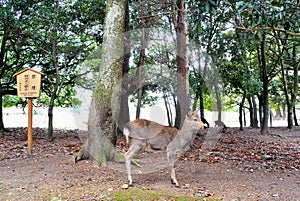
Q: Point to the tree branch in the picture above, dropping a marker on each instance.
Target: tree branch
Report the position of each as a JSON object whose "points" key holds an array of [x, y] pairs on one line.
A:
{"points": [[266, 29]]}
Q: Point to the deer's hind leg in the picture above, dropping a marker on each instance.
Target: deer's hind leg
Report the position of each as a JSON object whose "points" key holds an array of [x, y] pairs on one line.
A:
{"points": [[134, 148]]}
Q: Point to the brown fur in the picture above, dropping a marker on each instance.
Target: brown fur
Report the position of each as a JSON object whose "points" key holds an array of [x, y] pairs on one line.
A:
{"points": [[144, 132]]}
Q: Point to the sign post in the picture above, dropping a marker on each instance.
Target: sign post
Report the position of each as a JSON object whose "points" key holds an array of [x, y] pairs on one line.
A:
{"points": [[29, 83], [29, 135]]}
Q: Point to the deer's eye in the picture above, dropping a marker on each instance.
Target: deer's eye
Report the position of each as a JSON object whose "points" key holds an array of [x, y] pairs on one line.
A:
{"points": [[195, 119]]}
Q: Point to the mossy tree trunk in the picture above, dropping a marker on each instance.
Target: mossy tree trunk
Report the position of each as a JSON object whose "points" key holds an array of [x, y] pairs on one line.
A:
{"points": [[105, 107]]}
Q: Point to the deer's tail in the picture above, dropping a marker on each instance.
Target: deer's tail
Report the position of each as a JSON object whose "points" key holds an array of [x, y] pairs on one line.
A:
{"points": [[126, 132]]}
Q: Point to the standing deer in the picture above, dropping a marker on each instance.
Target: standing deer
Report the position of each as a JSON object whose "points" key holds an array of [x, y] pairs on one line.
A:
{"points": [[144, 132]]}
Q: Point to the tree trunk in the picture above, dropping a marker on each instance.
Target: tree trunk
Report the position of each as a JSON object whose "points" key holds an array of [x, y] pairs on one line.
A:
{"points": [[265, 93], [287, 98], [100, 144], [105, 106], [141, 62], [50, 120], [241, 111], [255, 120], [201, 99], [57, 79], [124, 110], [183, 99], [140, 84], [199, 95], [295, 84], [271, 117], [288, 103], [196, 98], [219, 102], [283, 111], [295, 117], [168, 109], [260, 111], [146, 23], [2, 128], [251, 112], [245, 120]]}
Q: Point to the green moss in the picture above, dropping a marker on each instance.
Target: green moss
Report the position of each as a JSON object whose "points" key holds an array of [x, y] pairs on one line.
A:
{"points": [[139, 194]]}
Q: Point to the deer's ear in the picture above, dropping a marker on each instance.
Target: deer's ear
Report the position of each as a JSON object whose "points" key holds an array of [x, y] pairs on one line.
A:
{"points": [[189, 113]]}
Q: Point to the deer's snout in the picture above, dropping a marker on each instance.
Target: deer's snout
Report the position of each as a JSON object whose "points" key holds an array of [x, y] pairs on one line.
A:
{"points": [[202, 125]]}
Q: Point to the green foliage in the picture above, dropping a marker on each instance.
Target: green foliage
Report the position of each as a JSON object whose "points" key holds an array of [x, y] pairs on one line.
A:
{"points": [[27, 37], [10, 101], [67, 99], [283, 14]]}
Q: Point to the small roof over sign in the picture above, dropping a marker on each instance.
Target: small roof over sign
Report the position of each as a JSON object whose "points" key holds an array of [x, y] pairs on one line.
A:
{"points": [[30, 69]]}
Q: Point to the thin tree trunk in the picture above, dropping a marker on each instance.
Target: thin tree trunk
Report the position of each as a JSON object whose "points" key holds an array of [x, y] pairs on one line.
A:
{"points": [[57, 79], [50, 120], [265, 93], [241, 111], [255, 120], [283, 111], [251, 112], [271, 118], [244, 113], [196, 98], [169, 114], [140, 84], [219, 102], [295, 116], [260, 111], [141, 62], [295, 84], [287, 98], [2, 128], [199, 93]]}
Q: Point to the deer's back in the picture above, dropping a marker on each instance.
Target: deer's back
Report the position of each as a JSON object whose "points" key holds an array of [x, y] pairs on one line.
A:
{"points": [[157, 136]]}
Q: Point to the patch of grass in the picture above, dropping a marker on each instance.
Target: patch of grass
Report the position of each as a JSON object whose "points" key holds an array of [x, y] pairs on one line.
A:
{"points": [[137, 194], [53, 198]]}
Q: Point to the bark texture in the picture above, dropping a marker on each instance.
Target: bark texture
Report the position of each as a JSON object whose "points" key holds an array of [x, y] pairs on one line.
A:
{"points": [[105, 106]]}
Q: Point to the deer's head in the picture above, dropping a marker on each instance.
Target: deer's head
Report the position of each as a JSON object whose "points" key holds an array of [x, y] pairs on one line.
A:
{"points": [[193, 120]]}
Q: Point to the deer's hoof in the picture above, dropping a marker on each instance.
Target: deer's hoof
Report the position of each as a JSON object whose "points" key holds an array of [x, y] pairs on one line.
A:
{"points": [[176, 184]]}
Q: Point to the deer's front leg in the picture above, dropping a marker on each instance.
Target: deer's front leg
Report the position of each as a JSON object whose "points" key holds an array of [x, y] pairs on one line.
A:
{"points": [[171, 158]]}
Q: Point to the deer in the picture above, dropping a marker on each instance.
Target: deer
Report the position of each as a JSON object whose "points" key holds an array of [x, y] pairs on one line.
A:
{"points": [[143, 132]]}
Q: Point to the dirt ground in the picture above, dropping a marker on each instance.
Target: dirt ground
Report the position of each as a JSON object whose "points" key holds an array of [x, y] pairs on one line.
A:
{"points": [[238, 165]]}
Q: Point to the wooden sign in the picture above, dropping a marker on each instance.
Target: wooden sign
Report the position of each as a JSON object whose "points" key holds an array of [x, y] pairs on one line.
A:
{"points": [[29, 83]]}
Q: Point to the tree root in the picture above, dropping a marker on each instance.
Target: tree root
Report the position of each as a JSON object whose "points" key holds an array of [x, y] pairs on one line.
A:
{"points": [[81, 155]]}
